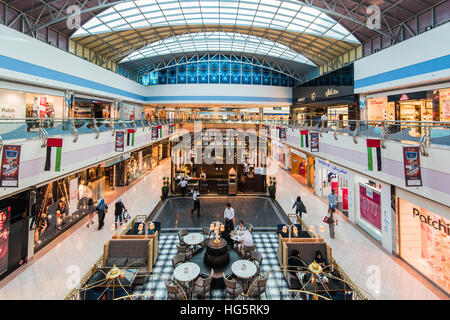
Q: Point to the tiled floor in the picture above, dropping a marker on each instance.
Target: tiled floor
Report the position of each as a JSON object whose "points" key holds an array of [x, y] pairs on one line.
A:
{"points": [[55, 273]]}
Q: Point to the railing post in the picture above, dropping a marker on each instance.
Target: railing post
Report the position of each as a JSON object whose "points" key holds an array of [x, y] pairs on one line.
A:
{"points": [[73, 130]]}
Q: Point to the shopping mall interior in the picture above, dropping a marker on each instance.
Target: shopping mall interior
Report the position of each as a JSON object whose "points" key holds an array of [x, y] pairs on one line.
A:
{"points": [[247, 150]]}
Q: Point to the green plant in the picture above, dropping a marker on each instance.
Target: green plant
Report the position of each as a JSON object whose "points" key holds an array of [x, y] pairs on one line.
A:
{"points": [[165, 188]]}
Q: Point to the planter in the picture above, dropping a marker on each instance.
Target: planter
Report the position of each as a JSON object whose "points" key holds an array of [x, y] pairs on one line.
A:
{"points": [[164, 192]]}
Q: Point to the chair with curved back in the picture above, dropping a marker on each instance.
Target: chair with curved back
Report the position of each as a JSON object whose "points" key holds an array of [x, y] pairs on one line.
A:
{"points": [[232, 287], [183, 249], [259, 286], [202, 286], [206, 232], [255, 256], [180, 258], [248, 250], [181, 233], [174, 292]]}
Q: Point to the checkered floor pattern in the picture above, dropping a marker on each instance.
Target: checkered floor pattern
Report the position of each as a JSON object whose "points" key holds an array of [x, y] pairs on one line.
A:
{"points": [[266, 244]]}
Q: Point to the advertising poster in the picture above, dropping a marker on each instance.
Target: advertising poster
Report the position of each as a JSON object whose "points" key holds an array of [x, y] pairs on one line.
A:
{"points": [[10, 166], [170, 129], [283, 134], [370, 205], [345, 199], [154, 133], [73, 194], [5, 216], [335, 187], [120, 141], [268, 131], [314, 141], [411, 163]]}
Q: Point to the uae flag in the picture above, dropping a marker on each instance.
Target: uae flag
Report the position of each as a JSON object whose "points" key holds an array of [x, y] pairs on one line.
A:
{"points": [[305, 138], [159, 131], [130, 137], [374, 154], [54, 151]]}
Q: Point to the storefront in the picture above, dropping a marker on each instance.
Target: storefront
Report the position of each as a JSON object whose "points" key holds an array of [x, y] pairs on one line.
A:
{"points": [[281, 154], [302, 165], [20, 105], [13, 232], [430, 105], [132, 111], [331, 176], [87, 108], [423, 234], [60, 204]]}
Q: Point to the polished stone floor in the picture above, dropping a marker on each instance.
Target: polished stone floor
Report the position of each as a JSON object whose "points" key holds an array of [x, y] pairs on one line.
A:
{"points": [[258, 211]]}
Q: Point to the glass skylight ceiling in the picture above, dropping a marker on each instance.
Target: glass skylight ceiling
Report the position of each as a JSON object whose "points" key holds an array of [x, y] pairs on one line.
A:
{"points": [[272, 14], [218, 42]]}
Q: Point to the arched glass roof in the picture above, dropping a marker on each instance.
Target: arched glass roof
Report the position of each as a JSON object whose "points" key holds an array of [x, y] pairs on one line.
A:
{"points": [[269, 14], [218, 42]]}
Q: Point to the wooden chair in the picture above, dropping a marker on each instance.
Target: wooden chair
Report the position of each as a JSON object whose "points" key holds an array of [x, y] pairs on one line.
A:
{"points": [[180, 258], [232, 287], [255, 256], [184, 249], [174, 292], [248, 250], [202, 286], [258, 286], [181, 234], [206, 232]]}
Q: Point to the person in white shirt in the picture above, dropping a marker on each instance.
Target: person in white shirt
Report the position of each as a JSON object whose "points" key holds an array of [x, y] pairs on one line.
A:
{"points": [[324, 120], [240, 226], [183, 184], [196, 197], [229, 224], [245, 240], [203, 175]]}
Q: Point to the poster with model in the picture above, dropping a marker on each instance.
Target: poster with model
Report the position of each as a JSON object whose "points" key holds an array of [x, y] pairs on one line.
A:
{"points": [[370, 205], [120, 141], [154, 133], [5, 215], [411, 164], [73, 194], [283, 134], [314, 141], [10, 166], [170, 128]]}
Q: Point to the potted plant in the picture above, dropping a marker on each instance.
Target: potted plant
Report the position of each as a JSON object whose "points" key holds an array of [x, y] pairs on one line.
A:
{"points": [[165, 188], [272, 187]]}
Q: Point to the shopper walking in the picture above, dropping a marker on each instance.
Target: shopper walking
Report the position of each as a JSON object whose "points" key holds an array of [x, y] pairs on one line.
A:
{"points": [[332, 200], [118, 212], [331, 221], [196, 197], [91, 209], [102, 209], [324, 120], [183, 185], [299, 206]]}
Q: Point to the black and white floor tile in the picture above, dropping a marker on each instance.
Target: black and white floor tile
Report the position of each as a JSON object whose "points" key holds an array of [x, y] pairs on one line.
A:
{"points": [[266, 244]]}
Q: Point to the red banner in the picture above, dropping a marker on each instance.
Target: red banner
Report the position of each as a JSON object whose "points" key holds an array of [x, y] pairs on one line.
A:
{"points": [[120, 141], [335, 187], [411, 164], [314, 141], [345, 199], [10, 166]]}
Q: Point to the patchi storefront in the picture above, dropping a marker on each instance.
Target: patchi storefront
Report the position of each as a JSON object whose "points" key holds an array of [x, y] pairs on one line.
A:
{"points": [[423, 238]]}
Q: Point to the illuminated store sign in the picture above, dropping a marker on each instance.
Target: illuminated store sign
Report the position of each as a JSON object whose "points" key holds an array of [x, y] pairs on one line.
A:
{"points": [[439, 224]]}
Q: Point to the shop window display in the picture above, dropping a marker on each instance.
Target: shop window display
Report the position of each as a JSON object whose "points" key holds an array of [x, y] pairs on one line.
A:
{"points": [[424, 242]]}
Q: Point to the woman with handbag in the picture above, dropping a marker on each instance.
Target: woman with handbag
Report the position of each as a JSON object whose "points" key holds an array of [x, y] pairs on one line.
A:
{"points": [[102, 209], [299, 206], [330, 221]]}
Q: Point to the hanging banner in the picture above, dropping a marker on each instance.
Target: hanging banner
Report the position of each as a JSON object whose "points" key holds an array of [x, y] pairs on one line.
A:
{"points": [[411, 164], [73, 194], [170, 128], [345, 199], [283, 134], [10, 166], [154, 133], [5, 217], [314, 141], [120, 141], [268, 131], [370, 204]]}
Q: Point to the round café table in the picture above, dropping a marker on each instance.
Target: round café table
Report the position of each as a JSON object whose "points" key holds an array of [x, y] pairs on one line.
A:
{"points": [[245, 270], [235, 235], [185, 273], [193, 239]]}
